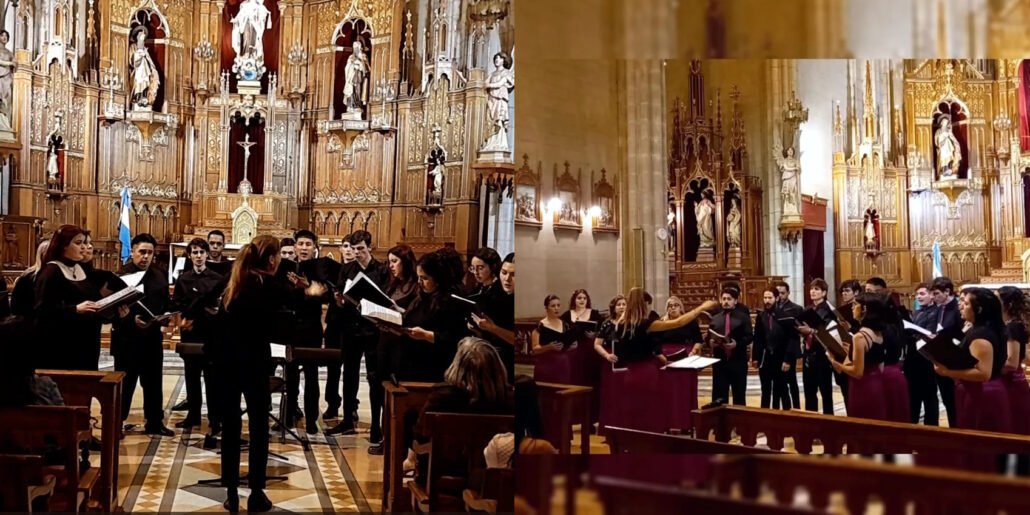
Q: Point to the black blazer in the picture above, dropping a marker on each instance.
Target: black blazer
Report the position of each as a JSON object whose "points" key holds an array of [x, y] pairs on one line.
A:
{"points": [[774, 342], [740, 331]]}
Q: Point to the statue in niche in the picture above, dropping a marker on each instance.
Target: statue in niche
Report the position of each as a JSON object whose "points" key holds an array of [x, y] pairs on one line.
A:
{"points": [[790, 176], [248, 29], [356, 79], [6, 80], [704, 211], [733, 219], [670, 222], [435, 171], [949, 154], [145, 80], [55, 142], [871, 227], [499, 86]]}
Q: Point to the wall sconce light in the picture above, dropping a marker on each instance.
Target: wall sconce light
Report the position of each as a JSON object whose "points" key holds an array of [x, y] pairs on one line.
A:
{"points": [[595, 215], [554, 205]]}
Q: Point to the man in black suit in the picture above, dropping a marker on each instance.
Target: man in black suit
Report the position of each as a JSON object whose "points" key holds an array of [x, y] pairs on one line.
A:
{"points": [[773, 355], [735, 325], [136, 340], [788, 309], [922, 383], [948, 319], [817, 372]]}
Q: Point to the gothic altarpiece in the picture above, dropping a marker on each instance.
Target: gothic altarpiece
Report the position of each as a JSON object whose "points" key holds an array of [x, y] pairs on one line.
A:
{"points": [[269, 115], [938, 167]]}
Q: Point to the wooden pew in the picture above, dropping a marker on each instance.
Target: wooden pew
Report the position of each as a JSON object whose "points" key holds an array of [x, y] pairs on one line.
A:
{"points": [[632, 441], [456, 452], [25, 481], [855, 434], [627, 497], [34, 428], [79, 388], [497, 494], [930, 490], [561, 406], [401, 401]]}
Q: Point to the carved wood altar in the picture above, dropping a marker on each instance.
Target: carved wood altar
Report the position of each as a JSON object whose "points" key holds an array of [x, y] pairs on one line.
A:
{"points": [[428, 62], [715, 204]]}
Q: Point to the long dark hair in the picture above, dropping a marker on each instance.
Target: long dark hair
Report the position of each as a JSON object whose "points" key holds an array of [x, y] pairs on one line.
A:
{"points": [[572, 300], [408, 275], [62, 237], [253, 259], [1015, 304], [986, 309], [438, 266], [877, 315], [527, 410]]}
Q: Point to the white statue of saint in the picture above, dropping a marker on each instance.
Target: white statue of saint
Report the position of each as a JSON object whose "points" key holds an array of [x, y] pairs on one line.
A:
{"points": [[6, 80], [790, 173], [436, 196], [54, 143], [499, 86], [949, 154], [356, 79], [703, 211], [248, 29], [145, 80], [733, 220]]}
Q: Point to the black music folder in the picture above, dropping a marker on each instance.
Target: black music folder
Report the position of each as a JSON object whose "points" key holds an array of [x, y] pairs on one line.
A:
{"points": [[108, 306], [830, 342], [362, 288], [946, 351]]}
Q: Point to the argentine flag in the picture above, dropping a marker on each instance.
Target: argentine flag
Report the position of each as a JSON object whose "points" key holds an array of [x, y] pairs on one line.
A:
{"points": [[124, 236], [937, 269]]}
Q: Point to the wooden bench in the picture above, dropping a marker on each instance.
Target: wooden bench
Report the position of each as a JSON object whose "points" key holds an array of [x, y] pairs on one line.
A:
{"points": [[400, 402], [856, 435], [32, 429], [455, 455], [627, 497], [79, 388], [24, 481], [496, 495], [632, 441], [929, 490], [562, 406]]}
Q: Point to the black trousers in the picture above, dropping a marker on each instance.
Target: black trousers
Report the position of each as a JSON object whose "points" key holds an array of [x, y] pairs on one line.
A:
{"points": [[250, 381], [842, 381], [146, 365], [353, 350], [947, 387], [332, 379], [194, 367], [311, 390], [792, 385], [922, 391], [817, 376], [775, 391], [726, 375]]}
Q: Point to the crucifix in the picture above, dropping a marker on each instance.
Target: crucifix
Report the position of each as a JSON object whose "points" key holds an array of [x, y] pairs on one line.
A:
{"points": [[245, 188]]}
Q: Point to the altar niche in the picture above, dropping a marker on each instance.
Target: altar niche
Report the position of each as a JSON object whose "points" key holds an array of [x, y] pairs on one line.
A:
{"points": [[152, 24], [270, 47], [950, 116], [251, 134], [350, 31]]}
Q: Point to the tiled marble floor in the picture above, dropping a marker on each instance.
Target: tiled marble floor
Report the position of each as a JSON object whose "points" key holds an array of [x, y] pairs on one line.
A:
{"points": [[162, 474]]}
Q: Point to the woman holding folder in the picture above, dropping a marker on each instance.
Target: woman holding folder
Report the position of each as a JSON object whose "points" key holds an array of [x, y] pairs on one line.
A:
{"points": [[981, 400], [551, 340], [603, 347], [433, 324], [864, 363], [681, 384], [1016, 313]]}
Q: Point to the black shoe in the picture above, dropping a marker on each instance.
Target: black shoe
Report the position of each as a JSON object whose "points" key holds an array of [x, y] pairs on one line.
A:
{"points": [[331, 413], [182, 406], [375, 435], [354, 416], [311, 428], [129, 427], [159, 431], [298, 414], [258, 502], [232, 503], [216, 429], [187, 422], [343, 428], [210, 442], [376, 449], [94, 444]]}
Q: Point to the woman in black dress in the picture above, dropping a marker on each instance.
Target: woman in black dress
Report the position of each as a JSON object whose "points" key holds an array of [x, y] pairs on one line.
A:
{"points": [[65, 301], [433, 323], [603, 345], [1016, 313], [497, 303], [552, 341]]}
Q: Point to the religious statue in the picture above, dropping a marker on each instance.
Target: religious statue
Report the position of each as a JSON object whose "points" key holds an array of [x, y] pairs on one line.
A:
{"points": [[248, 29], [872, 242], [499, 86], [703, 211], [949, 154], [55, 141], [145, 80], [733, 220], [356, 79], [790, 174], [670, 222], [6, 80], [435, 170]]}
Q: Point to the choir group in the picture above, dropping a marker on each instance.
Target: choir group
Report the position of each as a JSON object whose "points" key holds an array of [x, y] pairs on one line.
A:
{"points": [[451, 330], [883, 365]]}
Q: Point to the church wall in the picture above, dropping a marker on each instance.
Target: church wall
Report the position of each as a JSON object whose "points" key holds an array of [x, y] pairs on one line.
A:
{"points": [[568, 112]]}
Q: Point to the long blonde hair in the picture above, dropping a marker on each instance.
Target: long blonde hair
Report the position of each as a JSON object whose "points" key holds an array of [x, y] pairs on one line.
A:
{"points": [[253, 259], [40, 252], [477, 369], [636, 310]]}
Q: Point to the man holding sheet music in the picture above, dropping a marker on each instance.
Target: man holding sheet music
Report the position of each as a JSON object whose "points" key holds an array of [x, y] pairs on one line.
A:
{"points": [[922, 386], [358, 335], [773, 355], [136, 339], [949, 320], [817, 373], [788, 309], [729, 334]]}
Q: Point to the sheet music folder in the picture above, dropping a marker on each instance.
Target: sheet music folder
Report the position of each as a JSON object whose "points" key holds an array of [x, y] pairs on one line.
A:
{"points": [[362, 288], [108, 305], [946, 351]]}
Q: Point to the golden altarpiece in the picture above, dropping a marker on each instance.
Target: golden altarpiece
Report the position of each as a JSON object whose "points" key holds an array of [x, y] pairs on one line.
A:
{"points": [[337, 115], [942, 167]]}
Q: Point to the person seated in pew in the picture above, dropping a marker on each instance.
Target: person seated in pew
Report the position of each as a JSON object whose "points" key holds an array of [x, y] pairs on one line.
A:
{"points": [[475, 382], [552, 339], [501, 451], [734, 326], [864, 363], [981, 400], [20, 386]]}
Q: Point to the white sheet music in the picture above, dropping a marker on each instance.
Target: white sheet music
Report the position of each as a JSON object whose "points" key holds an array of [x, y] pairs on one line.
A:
{"points": [[278, 350], [916, 328], [371, 309], [362, 277], [693, 362], [134, 279]]}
